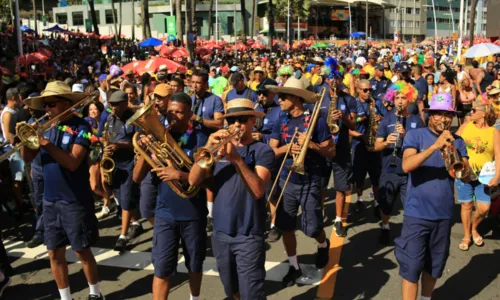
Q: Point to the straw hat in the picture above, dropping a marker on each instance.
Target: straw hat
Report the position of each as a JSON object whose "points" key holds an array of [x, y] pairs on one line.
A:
{"points": [[241, 107], [295, 87], [55, 90]]}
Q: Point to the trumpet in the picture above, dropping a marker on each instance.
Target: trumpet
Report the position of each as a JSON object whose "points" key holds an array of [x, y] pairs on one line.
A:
{"points": [[29, 134], [454, 165], [205, 157], [164, 151]]}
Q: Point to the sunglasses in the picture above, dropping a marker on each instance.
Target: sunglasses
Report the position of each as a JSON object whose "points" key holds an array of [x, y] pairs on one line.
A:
{"points": [[240, 119], [50, 104], [282, 96], [367, 90]]}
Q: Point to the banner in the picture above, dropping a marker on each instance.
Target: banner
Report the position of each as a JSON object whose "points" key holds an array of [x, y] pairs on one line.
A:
{"points": [[171, 27], [340, 15]]}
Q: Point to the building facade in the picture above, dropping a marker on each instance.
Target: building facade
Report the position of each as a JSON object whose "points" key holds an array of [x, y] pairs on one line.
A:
{"points": [[407, 18]]}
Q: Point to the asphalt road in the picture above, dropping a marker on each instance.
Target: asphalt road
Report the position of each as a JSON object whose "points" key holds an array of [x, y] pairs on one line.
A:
{"points": [[367, 270]]}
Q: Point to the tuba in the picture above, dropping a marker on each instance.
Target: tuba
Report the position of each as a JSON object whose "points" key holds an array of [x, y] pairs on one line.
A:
{"points": [[162, 152], [372, 127], [29, 134], [107, 163], [334, 127]]}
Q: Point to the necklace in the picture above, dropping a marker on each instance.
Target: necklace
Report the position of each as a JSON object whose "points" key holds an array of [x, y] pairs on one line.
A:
{"points": [[185, 137], [87, 135], [284, 124]]}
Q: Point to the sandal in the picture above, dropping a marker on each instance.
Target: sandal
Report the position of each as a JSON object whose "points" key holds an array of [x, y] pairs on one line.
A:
{"points": [[479, 240], [464, 245]]}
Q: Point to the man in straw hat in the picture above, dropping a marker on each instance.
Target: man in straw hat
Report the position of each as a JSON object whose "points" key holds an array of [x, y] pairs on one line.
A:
{"points": [[301, 190], [177, 218], [423, 247], [67, 199], [242, 174]]}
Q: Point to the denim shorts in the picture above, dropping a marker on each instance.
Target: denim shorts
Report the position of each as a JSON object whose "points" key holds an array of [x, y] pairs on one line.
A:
{"points": [[468, 192]]}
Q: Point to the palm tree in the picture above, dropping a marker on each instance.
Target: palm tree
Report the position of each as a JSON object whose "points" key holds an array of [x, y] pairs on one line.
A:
{"points": [[271, 24], [34, 16], [146, 28], [189, 29], [178, 21], [120, 20], [210, 25], [113, 13], [133, 20], [94, 17], [253, 17], [473, 6], [243, 19]]}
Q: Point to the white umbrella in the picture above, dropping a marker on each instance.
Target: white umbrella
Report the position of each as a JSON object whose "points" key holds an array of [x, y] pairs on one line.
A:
{"points": [[481, 50]]}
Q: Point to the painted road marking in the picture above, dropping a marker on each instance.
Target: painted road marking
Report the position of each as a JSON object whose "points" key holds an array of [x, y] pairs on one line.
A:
{"points": [[275, 271], [326, 287]]}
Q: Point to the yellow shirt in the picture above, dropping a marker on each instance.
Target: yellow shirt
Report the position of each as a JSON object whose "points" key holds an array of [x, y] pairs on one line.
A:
{"points": [[314, 79], [347, 80], [388, 74], [479, 144], [370, 70]]}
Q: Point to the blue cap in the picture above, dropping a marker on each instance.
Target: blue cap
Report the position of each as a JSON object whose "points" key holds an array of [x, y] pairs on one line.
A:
{"points": [[234, 69], [102, 77]]}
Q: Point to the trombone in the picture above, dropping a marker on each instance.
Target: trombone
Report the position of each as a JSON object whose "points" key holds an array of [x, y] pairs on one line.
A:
{"points": [[29, 134], [298, 161]]}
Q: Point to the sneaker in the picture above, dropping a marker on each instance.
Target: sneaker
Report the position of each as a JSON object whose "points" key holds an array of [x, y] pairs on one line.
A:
{"points": [[5, 283], [360, 206], [273, 235], [34, 242], [210, 224], [134, 231], [322, 255], [291, 277], [94, 297], [121, 245], [339, 229], [104, 213]]}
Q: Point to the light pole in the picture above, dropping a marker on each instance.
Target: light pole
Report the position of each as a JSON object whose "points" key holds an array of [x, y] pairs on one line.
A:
{"points": [[460, 30], [288, 25], [217, 22], [350, 24], [366, 23], [435, 26]]}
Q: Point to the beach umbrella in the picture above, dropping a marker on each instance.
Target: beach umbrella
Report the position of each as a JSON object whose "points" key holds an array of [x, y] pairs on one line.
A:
{"points": [[481, 50], [154, 64], [179, 52], [32, 58], [55, 28], [151, 42], [134, 66]]}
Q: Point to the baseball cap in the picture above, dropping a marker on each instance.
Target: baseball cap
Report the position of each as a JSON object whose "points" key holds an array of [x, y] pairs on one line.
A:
{"points": [[379, 67], [262, 85], [77, 88], [258, 69], [102, 77], [163, 90], [118, 96], [404, 67], [234, 69]]}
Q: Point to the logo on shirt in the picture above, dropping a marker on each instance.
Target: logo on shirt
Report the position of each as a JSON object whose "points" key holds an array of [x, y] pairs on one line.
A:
{"points": [[203, 109], [266, 121], [413, 125], [342, 106], [65, 139]]}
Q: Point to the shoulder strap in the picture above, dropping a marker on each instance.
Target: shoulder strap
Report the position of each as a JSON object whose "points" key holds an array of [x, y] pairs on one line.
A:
{"points": [[248, 93]]}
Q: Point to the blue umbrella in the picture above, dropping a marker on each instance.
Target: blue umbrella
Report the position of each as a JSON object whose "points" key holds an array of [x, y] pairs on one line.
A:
{"points": [[151, 42], [357, 34], [55, 28], [26, 29]]}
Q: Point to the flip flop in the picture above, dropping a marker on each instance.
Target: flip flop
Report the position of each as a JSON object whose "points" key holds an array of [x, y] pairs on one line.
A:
{"points": [[479, 240], [464, 245]]}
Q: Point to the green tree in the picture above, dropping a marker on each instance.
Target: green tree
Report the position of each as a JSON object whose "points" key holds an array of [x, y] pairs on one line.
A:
{"points": [[300, 8]]}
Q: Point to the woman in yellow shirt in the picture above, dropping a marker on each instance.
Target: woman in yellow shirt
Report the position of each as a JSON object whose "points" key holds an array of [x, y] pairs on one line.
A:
{"points": [[483, 145]]}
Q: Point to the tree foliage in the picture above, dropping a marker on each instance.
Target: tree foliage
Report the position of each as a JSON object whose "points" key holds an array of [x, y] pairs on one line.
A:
{"points": [[299, 8]]}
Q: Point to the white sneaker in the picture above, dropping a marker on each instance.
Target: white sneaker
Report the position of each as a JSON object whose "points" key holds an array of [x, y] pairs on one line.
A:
{"points": [[104, 213]]}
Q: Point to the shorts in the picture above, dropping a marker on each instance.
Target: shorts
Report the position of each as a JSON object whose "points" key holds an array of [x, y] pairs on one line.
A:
{"points": [[240, 262], [468, 192], [342, 174], [165, 252], [308, 197], [149, 192], [364, 162], [391, 186], [125, 189], [423, 245], [17, 166], [67, 223], [463, 109]]}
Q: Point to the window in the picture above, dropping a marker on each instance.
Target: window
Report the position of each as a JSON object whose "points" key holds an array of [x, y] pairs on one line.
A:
{"points": [[109, 16], [77, 18], [417, 11], [417, 24], [213, 26], [408, 10], [62, 18], [409, 24], [392, 23], [230, 25]]}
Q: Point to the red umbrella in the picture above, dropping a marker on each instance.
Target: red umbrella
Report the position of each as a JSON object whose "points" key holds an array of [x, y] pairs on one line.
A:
{"points": [[32, 58], [92, 35], [240, 47], [45, 52], [202, 51], [179, 52], [154, 64], [134, 66], [258, 45], [166, 50]]}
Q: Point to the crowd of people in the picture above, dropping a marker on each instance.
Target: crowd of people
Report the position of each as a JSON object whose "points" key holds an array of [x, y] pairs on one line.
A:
{"points": [[237, 143]]}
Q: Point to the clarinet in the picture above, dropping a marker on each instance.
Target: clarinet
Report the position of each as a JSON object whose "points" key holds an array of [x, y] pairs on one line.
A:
{"points": [[399, 110]]}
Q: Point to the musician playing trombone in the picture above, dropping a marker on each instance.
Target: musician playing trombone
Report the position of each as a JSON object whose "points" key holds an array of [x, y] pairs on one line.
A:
{"points": [[68, 206], [391, 132], [240, 179], [301, 190], [424, 244]]}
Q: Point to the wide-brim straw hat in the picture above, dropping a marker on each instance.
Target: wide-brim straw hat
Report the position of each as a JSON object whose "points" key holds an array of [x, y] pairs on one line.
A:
{"points": [[241, 107], [55, 90], [295, 87]]}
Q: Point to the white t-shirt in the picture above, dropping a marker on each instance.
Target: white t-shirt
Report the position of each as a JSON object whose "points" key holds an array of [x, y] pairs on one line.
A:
{"points": [[12, 120]]}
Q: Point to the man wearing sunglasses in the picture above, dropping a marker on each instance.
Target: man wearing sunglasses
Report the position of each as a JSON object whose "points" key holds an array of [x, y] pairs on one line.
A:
{"points": [[379, 82], [126, 191], [177, 219], [301, 190], [240, 90], [239, 183], [68, 206], [363, 160]]}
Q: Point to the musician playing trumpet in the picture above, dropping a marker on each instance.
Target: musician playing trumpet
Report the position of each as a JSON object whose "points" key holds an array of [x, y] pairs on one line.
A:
{"points": [[239, 183], [423, 247], [390, 135], [301, 190]]}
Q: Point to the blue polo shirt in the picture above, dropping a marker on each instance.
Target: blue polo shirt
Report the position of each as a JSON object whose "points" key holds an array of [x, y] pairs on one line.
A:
{"points": [[346, 104], [387, 127], [363, 118], [246, 94], [272, 117], [171, 206], [430, 189], [236, 211], [61, 184], [326, 101], [379, 87], [120, 132], [314, 163], [206, 107]]}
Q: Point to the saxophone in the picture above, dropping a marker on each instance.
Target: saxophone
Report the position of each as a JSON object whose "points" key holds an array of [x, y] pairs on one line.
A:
{"points": [[372, 127], [107, 164], [333, 125]]}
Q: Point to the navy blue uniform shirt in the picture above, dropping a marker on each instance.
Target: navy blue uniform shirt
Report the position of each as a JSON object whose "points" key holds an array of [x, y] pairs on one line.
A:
{"points": [[379, 87], [120, 132], [206, 107], [363, 118], [272, 117], [246, 94], [347, 105]]}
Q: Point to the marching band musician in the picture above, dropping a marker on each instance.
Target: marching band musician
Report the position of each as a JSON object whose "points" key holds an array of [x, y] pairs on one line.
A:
{"points": [[68, 207], [424, 244], [177, 218], [126, 191], [240, 179], [363, 159], [301, 190], [390, 134]]}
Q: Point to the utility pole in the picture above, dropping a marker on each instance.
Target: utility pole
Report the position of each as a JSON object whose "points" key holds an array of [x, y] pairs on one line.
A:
{"points": [[460, 30], [366, 23]]}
